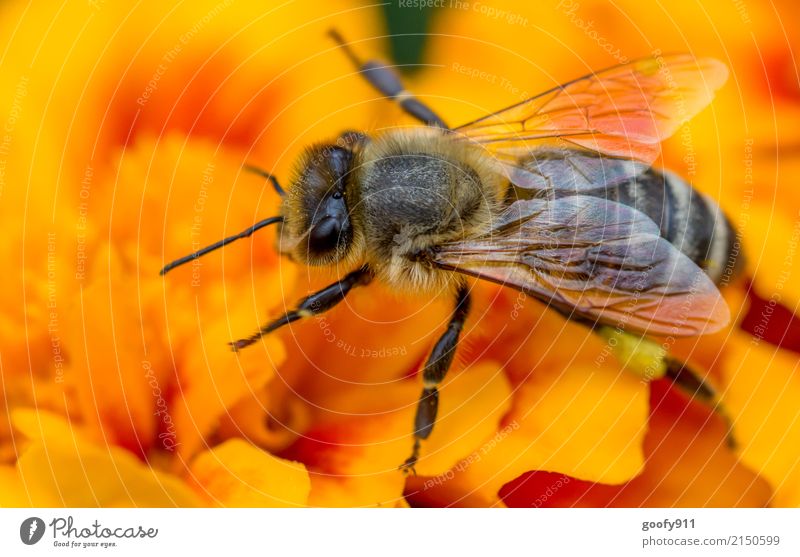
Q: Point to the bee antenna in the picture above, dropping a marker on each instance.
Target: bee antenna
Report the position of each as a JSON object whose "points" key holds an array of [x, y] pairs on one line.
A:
{"points": [[337, 37], [221, 243]]}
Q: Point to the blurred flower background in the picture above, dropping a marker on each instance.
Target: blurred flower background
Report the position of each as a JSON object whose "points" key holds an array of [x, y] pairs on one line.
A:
{"points": [[125, 129]]}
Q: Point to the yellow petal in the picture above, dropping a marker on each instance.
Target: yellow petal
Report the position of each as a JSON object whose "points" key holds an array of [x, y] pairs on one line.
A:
{"points": [[97, 477], [12, 490], [762, 390], [60, 466], [54, 473], [354, 461], [214, 378], [771, 255], [471, 406], [47, 427], [584, 421]]}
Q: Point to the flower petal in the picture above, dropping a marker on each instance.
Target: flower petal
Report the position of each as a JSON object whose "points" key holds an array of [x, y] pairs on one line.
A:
{"points": [[688, 464], [761, 394], [73, 472], [237, 474], [354, 461]]}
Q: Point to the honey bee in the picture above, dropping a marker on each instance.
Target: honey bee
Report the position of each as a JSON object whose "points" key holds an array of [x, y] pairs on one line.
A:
{"points": [[554, 196]]}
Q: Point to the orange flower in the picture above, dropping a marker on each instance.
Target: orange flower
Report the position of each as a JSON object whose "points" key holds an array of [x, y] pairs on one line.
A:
{"points": [[686, 464], [94, 199], [741, 128]]}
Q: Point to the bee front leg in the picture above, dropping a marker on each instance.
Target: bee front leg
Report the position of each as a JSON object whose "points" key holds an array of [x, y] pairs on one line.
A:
{"points": [[436, 368], [311, 305]]}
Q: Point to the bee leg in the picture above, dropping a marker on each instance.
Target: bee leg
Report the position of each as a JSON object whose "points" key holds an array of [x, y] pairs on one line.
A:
{"points": [[689, 381], [692, 384], [435, 369], [264, 174], [311, 305], [387, 82]]}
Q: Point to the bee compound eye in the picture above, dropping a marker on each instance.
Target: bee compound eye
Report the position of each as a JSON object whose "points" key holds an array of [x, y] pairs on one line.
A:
{"points": [[324, 235]]}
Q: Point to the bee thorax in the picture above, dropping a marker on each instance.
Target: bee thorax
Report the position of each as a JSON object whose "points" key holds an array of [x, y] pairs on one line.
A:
{"points": [[417, 192]]}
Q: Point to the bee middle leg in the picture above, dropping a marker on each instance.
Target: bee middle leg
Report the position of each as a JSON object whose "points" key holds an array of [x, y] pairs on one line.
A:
{"points": [[436, 368], [311, 305]]}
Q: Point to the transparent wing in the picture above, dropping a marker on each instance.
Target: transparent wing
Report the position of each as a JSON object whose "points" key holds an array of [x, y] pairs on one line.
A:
{"points": [[570, 171], [597, 259], [624, 111]]}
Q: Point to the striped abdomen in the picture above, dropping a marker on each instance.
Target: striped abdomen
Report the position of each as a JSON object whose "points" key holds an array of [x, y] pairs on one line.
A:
{"points": [[691, 221]]}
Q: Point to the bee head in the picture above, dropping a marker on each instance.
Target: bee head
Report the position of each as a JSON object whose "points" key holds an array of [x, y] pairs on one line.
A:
{"points": [[317, 227]]}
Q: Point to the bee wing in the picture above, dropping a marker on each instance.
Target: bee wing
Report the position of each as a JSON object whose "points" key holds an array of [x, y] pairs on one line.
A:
{"points": [[596, 259], [624, 111]]}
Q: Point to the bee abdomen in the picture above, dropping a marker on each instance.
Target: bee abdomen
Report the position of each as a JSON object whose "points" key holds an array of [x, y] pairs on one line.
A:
{"points": [[691, 221]]}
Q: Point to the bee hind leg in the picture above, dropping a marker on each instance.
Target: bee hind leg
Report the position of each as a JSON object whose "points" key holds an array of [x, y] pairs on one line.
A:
{"points": [[387, 82], [436, 367], [690, 382], [311, 305]]}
